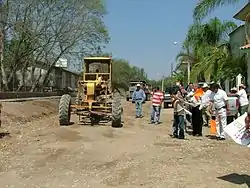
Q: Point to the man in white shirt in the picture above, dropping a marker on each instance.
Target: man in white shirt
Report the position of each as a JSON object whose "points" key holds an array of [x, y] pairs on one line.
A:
{"points": [[220, 101], [205, 102], [242, 95]]}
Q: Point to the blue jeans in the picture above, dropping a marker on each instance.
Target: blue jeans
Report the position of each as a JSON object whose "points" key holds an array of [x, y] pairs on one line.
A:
{"points": [[138, 108], [155, 114], [179, 126]]}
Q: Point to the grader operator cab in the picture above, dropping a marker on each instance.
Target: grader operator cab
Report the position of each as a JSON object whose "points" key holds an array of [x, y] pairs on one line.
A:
{"points": [[96, 100]]}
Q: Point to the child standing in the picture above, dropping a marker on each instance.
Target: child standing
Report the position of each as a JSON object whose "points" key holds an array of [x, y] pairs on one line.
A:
{"points": [[179, 113]]}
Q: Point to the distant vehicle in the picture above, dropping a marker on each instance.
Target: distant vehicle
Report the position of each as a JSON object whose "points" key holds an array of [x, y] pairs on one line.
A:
{"points": [[167, 96], [233, 108], [132, 87], [167, 99]]}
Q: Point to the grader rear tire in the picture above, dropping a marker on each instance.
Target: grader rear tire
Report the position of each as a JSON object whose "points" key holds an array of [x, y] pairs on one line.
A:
{"points": [[64, 110], [117, 111]]}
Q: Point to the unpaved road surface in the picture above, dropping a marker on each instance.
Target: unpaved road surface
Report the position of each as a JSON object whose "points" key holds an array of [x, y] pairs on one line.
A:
{"points": [[39, 153]]}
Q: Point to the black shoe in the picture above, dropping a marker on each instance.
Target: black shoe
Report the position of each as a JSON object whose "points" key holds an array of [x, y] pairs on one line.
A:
{"points": [[174, 136], [220, 138], [199, 134], [181, 137]]}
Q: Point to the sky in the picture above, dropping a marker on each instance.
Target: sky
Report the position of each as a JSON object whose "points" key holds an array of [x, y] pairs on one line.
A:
{"points": [[144, 31]]}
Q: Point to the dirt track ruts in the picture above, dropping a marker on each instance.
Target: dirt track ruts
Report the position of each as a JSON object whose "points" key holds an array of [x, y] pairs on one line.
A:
{"points": [[39, 153]]}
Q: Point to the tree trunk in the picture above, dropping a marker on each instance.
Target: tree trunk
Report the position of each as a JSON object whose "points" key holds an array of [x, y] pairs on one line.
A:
{"points": [[3, 74], [34, 85], [247, 27], [23, 80]]}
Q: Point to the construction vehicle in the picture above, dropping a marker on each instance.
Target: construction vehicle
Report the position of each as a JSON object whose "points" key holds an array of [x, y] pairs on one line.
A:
{"points": [[96, 100]]}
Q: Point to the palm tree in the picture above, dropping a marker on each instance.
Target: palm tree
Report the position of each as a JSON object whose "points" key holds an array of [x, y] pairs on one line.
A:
{"points": [[203, 47], [205, 7], [214, 32]]}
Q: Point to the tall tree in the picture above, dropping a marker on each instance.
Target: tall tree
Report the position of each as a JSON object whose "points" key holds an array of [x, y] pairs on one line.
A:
{"points": [[38, 33], [123, 73], [205, 7], [205, 41]]}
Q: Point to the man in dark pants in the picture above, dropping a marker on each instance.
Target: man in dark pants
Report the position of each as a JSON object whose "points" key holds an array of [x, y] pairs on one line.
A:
{"points": [[196, 112], [197, 121]]}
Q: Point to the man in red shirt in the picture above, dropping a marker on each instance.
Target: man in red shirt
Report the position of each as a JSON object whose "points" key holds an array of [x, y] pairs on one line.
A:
{"points": [[157, 99]]}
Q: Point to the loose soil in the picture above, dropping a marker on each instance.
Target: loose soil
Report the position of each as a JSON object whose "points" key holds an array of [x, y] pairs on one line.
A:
{"points": [[36, 152]]}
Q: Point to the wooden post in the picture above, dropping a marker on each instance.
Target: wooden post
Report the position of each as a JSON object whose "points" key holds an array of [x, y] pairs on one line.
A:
{"points": [[1, 56], [1, 106], [188, 70]]}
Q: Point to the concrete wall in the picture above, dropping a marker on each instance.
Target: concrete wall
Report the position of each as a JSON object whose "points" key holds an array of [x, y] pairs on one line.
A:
{"points": [[248, 71], [59, 78], [29, 78], [237, 39]]}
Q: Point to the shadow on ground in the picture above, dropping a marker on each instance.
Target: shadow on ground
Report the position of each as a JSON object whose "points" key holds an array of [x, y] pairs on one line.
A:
{"points": [[4, 134], [212, 137], [238, 179]]}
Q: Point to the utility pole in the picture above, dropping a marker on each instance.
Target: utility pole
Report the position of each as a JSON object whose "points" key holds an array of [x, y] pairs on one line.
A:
{"points": [[1, 56], [162, 83], [172, 67], [188, 70]]}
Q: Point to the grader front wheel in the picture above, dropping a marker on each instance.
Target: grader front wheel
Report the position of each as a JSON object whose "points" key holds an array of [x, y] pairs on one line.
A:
{"points": [[116, 111], [64, 110]]}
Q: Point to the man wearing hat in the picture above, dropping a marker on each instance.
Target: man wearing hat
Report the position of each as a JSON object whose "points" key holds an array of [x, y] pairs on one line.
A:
{"points": [[242, 95], [233, 91], [205, 102], [138, 96]]}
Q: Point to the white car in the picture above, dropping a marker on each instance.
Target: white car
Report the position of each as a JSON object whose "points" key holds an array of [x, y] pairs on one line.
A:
{"points": [[233, 108], [167, 99]]}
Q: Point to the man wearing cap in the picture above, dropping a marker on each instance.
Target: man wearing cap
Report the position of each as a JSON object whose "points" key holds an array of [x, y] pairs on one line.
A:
{"points": [[138, 96], [233, 91], [205, 102], [219, 99], [242, 95]]}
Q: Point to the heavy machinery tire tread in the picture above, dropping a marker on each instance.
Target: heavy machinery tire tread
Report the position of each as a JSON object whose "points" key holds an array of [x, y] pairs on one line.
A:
{"points": [[64, 109], [117, 110]]}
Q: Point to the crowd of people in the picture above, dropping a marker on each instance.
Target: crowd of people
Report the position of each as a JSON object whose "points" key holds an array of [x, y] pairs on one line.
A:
{"points": [[198, 104]]}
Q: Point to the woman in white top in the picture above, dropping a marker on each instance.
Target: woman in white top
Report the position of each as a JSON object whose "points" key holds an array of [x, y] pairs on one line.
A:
{"points": [[242, 95]]}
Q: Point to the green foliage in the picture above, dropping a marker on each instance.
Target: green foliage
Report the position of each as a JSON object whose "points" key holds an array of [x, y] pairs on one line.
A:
{"points": [[123, 73], [205, 7], [214, 32], [207, 49], [38, 33]]}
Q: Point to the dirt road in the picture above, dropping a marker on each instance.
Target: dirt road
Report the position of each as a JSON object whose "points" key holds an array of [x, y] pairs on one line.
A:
{"points": [[39, 153]]}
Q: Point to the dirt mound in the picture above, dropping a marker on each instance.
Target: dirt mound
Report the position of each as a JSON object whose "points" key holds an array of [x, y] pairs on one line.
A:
{"points": [[23, 112]]}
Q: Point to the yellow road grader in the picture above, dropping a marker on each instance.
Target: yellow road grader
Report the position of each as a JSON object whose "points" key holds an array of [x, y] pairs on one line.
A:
{"points": [[96, 100]]}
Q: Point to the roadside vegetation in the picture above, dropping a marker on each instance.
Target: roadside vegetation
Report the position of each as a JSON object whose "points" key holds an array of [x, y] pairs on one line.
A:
{"points": [[35, 34], [207, 47]]}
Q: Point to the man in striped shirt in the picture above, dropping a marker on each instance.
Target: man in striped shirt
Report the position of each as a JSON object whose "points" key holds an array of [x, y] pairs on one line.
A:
{"points": [[157, 99]]}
